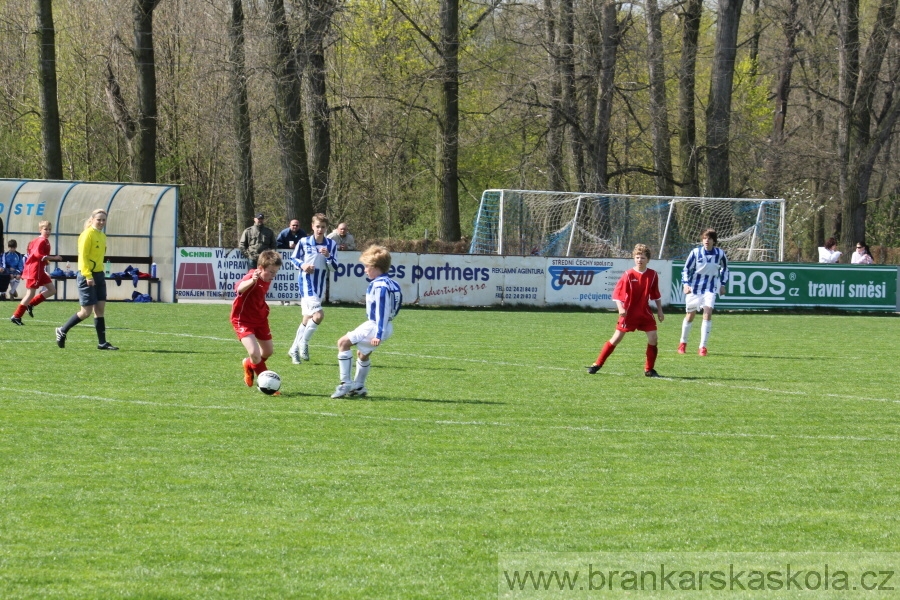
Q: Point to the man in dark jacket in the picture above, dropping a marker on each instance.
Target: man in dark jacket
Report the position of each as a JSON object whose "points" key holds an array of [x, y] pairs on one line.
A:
{"points": [[257, 238]]}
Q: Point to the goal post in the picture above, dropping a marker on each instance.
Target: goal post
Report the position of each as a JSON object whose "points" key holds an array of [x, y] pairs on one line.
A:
{"points": [[541, 223]]}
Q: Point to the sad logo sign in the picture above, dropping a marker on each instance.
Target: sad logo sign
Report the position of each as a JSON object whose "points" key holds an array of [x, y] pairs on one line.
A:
{"points": [[562, 276]]}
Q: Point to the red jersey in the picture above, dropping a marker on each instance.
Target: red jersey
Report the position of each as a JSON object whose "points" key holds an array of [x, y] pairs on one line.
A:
{"points": [[635, 290], [38, 248], [249, 309]]}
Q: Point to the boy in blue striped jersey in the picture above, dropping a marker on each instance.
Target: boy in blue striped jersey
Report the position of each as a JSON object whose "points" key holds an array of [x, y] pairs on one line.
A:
{"points": [[315, 256], [704, 275], [383, 300]]}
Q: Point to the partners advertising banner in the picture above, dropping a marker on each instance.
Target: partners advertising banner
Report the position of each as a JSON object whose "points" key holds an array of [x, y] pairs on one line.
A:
{"points": [[457, 280], [781, 285], [589, 282], [348, 283], [519, 281]]}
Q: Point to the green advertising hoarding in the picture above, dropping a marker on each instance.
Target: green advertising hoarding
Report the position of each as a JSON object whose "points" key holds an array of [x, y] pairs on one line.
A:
{"points": [[791, 285]]}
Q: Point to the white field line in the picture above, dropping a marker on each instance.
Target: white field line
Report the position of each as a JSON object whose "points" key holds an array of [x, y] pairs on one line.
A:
{"points": [[693, 382], [31, 394]]}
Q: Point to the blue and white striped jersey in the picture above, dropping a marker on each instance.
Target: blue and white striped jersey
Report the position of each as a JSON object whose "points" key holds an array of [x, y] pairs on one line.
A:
{"points": [[307, 251], [705, 271], [383, 300]]}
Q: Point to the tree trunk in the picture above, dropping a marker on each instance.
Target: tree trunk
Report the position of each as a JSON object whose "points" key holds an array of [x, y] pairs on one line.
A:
{"points": [[859, 143], [144, 167], [311, 53], [718, 112], [240, 110], [599, 143], [448, 226], [556, 121], [659, 119], [790, 27], [52, 149], [687, 120], [288, 103]]}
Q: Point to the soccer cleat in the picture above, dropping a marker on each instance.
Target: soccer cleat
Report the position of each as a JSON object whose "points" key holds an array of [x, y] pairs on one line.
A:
{"points": [[248, 372], [304, 351], [682, 347], [592, 369], [106, 346], [342, 390], [30, 310], [16, 321], [359, 391], [651, 373], [60, 337], [294, 353], [702, 351], [14, 295]]}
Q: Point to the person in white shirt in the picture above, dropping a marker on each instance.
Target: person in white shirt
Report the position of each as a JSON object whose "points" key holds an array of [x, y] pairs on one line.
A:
{"points": [[828, 253], [862, 256], [343, 238]]}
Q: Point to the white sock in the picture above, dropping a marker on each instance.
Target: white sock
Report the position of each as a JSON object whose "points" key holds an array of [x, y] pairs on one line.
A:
{"points": [[704, 333], [685, 330], [311, 327], [13, 285], [344, 360], [299, 336], [362, 371]]}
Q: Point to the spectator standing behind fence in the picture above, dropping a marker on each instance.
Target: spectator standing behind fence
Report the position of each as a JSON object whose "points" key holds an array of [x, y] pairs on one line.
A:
{"points": [[343, 238], [829, 253], [12, 263], [862, 256], [256, 239], [289, 236]]}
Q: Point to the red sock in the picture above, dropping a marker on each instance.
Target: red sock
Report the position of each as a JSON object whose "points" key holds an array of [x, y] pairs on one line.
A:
{"points": [[604, 353], [37, 300], [20, 310], [651, 357], [259, 368]]}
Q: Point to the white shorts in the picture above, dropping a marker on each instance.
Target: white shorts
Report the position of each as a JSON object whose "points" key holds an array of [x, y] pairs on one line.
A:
{"points": [[362, 336], [696, 302], [310, 305]]}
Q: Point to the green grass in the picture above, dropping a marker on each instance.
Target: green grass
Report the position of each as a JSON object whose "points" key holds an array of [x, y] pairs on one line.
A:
{"points": [[153, 472]]}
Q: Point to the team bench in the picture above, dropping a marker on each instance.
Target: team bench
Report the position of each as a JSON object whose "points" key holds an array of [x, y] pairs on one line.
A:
{"points": [[135, 261]]}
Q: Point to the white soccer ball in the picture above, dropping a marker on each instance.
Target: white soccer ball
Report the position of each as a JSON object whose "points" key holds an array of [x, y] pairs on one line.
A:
{"points": [[268, 382]]}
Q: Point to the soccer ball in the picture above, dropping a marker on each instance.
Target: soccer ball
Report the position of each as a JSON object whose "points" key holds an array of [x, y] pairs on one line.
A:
{"points": [[268, 382]]}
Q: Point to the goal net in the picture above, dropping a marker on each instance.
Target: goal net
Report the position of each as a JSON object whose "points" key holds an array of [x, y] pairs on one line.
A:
{"points": [[522, 222]]}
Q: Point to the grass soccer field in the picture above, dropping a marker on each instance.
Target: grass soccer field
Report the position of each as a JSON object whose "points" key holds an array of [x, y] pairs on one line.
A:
{"points": [[153, 472]]}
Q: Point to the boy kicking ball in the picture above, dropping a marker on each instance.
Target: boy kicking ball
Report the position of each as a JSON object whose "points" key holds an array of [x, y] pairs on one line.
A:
{"points": [[250, 314], [632, 295], [383, 300]]}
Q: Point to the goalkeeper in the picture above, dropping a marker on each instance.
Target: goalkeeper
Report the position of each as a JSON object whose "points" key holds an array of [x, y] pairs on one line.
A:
{"points": [[633, 293]]}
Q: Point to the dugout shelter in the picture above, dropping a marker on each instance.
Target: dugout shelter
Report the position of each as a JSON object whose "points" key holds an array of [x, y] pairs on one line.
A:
{"points": [[142, 226]]}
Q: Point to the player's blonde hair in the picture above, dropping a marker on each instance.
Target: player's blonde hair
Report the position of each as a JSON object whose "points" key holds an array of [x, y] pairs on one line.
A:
{"points": [[321, 218], [95, 212], [641, 249], [378, 257], [268, 258], [43, 224]]}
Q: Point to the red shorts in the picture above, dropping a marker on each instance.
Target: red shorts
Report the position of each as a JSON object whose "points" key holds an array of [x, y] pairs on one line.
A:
{"points": [[42, 280], [245, 328], [636, 323]]}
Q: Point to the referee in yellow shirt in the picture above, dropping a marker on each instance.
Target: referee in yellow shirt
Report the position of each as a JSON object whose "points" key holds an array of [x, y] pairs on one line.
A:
{"points": [[91, 281]]}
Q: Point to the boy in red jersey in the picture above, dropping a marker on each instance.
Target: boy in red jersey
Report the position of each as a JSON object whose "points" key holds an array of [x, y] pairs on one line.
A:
{"points": [[35, 274], [250, 314], [632, 295]]}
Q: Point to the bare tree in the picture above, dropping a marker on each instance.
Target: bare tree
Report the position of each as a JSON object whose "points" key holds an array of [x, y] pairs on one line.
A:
{"points": [[240, 110], [288, 107], [687, 79], [862, 131], [659, 120], [144, 167], [49, 107]]}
